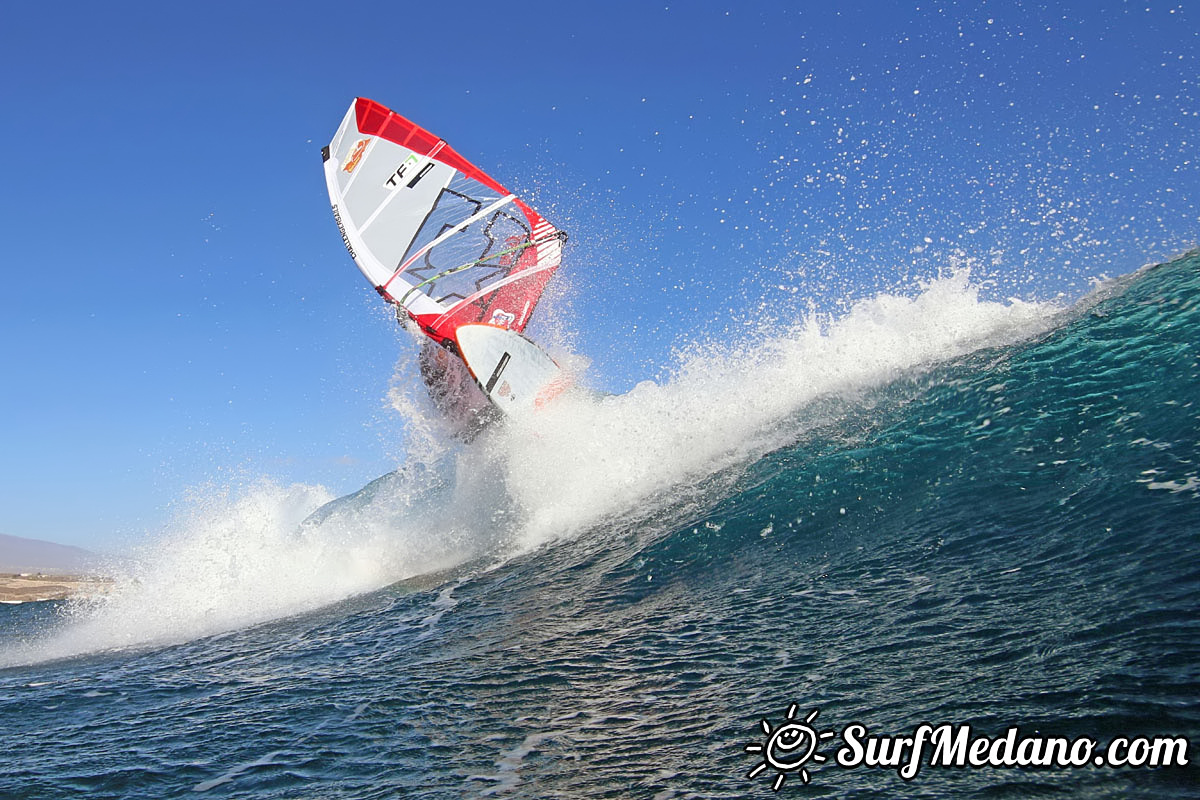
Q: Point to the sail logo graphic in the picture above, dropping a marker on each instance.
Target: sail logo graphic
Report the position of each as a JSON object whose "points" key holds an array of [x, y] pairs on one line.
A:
{"points": [[502, 319], [355, 155], [396, 179], [789, 747]]}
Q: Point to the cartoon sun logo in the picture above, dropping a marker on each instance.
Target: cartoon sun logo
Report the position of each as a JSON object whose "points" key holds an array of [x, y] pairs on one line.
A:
{"points": [[789, 747]]}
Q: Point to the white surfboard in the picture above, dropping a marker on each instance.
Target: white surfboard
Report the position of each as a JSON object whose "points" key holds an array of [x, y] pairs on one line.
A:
{"points": [[513, 372]]}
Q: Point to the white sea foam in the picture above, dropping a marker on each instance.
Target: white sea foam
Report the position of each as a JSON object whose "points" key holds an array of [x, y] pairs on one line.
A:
{"points": [[240, 558], [234, 561], [728, 403]]}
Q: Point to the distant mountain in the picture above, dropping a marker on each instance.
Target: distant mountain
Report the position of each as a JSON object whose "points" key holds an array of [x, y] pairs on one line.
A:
{"points": [[18, 554]]}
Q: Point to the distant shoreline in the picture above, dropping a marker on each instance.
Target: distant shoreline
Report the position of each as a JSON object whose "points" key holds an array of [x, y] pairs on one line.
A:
{"points": [[34, 587]]}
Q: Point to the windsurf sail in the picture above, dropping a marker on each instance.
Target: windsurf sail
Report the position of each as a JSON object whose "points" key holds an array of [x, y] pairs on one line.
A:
{"points": [[431, 231]]}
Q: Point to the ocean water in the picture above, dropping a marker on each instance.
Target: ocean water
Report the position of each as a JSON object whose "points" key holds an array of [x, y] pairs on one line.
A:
{"points": [[933, 509]]}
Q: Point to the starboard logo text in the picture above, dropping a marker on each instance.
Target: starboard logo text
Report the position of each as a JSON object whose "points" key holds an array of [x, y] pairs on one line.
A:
{"points": [[790, 747]]}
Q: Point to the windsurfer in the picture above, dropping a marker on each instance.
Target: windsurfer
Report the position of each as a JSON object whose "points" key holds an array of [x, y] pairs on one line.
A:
{"points": [[453, 391], [463, 258]]}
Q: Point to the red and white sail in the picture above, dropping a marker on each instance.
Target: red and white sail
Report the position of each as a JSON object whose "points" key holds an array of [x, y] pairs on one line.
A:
{"points": [[431, 231]]}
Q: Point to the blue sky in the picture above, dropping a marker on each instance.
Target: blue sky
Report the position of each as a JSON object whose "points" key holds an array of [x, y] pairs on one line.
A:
{"points": [[179, 311]]}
